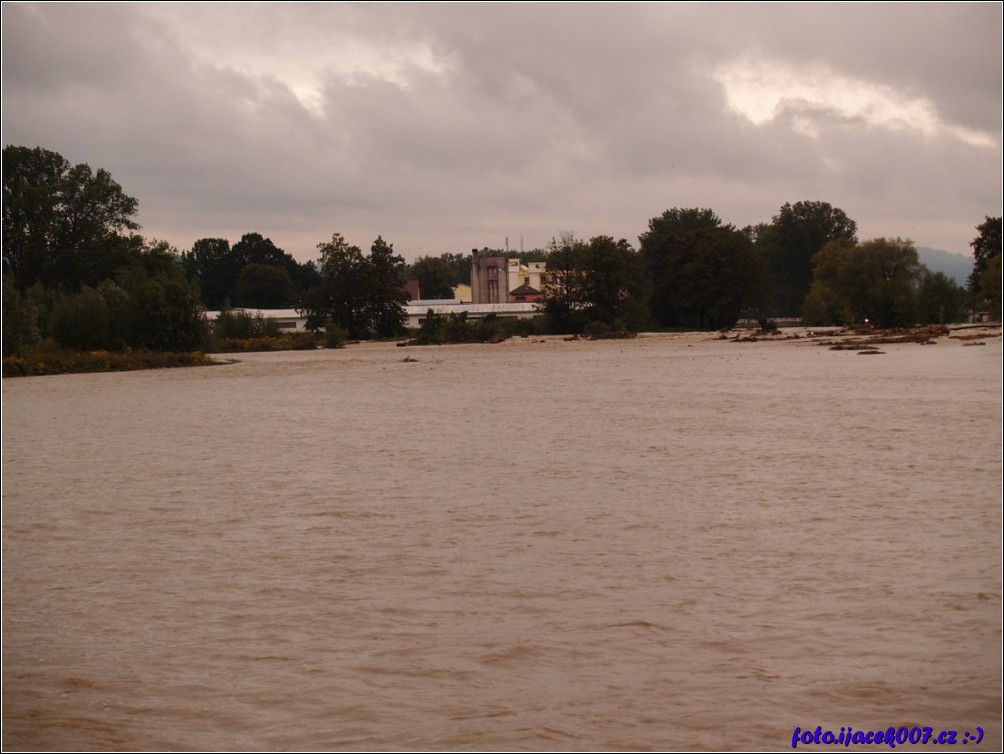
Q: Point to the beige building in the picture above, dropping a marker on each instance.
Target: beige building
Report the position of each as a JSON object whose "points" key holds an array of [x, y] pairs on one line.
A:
{"points": [[494, 278]]}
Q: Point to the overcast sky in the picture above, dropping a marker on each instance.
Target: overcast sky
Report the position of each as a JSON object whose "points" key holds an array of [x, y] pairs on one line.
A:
{"points": [[444, 127]]}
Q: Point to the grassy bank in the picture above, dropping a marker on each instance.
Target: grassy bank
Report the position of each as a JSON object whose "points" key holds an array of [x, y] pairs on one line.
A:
{"points": [[291, 342], [47, 359]]}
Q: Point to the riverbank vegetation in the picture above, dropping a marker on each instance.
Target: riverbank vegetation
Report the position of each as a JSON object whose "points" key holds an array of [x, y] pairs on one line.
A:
{"points": [[46, 358], [236, 331], [438, 329], [79, 280]]}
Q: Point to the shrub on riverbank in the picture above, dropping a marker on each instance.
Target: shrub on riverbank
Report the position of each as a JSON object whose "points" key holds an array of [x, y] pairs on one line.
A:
{"points": [[237, 331], [291, 342], [46, 358], [602, 331], [438, 329]]}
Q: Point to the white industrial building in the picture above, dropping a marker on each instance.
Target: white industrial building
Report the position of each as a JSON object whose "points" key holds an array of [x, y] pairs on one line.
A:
{"points": [[291, 321], [417, 311]]}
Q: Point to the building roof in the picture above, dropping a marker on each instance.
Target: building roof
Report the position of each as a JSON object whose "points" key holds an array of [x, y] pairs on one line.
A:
{"points": [[525, 290], [434, 302]]}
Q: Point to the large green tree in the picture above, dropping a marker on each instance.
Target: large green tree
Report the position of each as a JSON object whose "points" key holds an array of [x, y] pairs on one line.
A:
{"points": [[793, 237], [89, 281], [436, 277], [702, 273], [362, 294], [563, 290], [218, 268], [63, 225], [610, 282], [214, 267], [150, 304], [385, 292], [873, 282], [985, 279], [339, 297], [461, 264], [162, 308], [265, 286], [591, 281]]}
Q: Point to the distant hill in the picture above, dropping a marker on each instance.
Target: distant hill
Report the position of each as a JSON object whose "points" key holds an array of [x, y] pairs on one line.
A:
{"points": [[954, 266]]}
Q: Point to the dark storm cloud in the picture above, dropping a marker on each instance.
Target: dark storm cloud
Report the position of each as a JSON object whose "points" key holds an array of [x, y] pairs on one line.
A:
{"points": [[448, 126], [949, 52]]}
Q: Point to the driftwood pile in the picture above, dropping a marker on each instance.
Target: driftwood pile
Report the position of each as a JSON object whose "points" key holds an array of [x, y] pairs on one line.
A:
{"points": [[866, 341], [869, 340]]}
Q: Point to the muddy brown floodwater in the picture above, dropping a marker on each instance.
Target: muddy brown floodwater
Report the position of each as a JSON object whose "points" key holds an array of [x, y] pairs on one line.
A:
{"points": [[665, 543]]}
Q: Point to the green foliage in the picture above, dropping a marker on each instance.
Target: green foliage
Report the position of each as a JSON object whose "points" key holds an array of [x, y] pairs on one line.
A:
{"points": [[299, 341], [238, 324], [702, 274], [824, 305], [597, 329], [63, 225], [430, 332], [611, 275], [602, 331], [45, 358], [437, 329], [164, 312], [19, 327], [253, 249], [341, 295], [524, 257], [452, 328], [461, 266], [940, 300], [386, 297], [265, 286], [362, 294], [793, 237], [456, 329], [563, 288], [985, 279], [989, 288], [81, 321], [436, 277], [221, 272], [41, 301], [89, 285], [241, 331], [590, 281], [873, 283], [117, 301], [214, 267], [335, 336], [986, 245]]}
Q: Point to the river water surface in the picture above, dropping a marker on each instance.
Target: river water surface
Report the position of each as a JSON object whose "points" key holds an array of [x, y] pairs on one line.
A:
{"points": [[673, 542]]}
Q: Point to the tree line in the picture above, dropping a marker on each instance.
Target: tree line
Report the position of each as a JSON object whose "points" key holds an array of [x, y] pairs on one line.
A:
{"points": [[694, 271], [77, 272]]}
